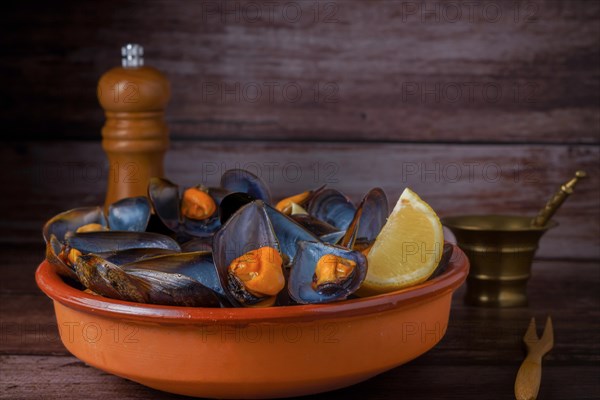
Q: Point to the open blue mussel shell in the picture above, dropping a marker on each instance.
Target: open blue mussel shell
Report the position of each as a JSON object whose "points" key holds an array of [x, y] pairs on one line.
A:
{"points": [[166, 199], [131, 214], [302, 287], [286, 230], [357, 227], [256, 225], [104, 260], [240, 180], [168, 202], [247, 230]]}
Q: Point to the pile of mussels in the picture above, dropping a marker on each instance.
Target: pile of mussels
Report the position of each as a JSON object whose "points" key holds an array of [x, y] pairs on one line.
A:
{"points": [[220, 247]]}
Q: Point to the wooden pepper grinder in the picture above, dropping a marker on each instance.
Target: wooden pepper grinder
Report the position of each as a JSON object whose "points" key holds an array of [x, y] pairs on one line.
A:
{"points": [[135, 136]]}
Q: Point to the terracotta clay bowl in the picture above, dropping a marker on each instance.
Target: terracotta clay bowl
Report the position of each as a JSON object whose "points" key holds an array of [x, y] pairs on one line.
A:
{"points": [[253, 353]]}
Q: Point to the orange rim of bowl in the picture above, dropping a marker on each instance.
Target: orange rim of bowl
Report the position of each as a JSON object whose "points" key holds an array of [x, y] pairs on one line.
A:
{"points": [[54, 287]]}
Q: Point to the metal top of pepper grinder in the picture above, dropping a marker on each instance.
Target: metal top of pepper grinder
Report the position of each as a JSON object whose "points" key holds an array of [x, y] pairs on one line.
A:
{"points": [[133, 55]]}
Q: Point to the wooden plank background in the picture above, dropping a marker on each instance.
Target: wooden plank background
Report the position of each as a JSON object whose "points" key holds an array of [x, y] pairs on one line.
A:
{"points": [[486, 107], [53, 176], [426, 71]]}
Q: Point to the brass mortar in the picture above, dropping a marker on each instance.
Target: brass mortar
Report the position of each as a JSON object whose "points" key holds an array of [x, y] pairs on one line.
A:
{"points": [[501, 249]]}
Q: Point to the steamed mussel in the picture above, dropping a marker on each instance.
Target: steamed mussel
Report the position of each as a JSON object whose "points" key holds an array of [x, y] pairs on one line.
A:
{"points": [[220, 246], [322, 272], [181, 279], [194, 213], [130, 214], [248, 259], [190, 214], [143, 267]]}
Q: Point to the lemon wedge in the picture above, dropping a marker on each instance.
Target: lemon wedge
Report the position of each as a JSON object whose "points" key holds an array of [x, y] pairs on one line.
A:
{"points": [[408, 248]]}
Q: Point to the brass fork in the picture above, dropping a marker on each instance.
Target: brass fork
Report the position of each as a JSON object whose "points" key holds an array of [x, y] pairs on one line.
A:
{"points": [[527, 384]]}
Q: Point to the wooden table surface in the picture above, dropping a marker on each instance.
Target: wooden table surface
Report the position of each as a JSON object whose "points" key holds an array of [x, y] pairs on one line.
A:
{"points": [[479, 356]]}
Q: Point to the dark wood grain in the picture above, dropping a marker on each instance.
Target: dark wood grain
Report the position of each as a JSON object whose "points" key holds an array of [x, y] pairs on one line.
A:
{"points": [[57, 376], [500, 71], [46, 178]]}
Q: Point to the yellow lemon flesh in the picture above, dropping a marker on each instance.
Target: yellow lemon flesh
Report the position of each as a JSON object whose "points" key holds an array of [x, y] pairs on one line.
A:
{"points": [[408, 248]]}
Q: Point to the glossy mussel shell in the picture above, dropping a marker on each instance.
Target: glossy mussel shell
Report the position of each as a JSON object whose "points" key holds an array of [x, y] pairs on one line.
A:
{"points": [[53, 250], [232, 203], [111, 241], [375, 210], [369, 218], [303, 269], [165, 198], [314, 225], [288, 232], [115, 244], [333, 207], [248, 229], [197, 265], [129, 214], [157, 280], [241, 180], [69, 221]]}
